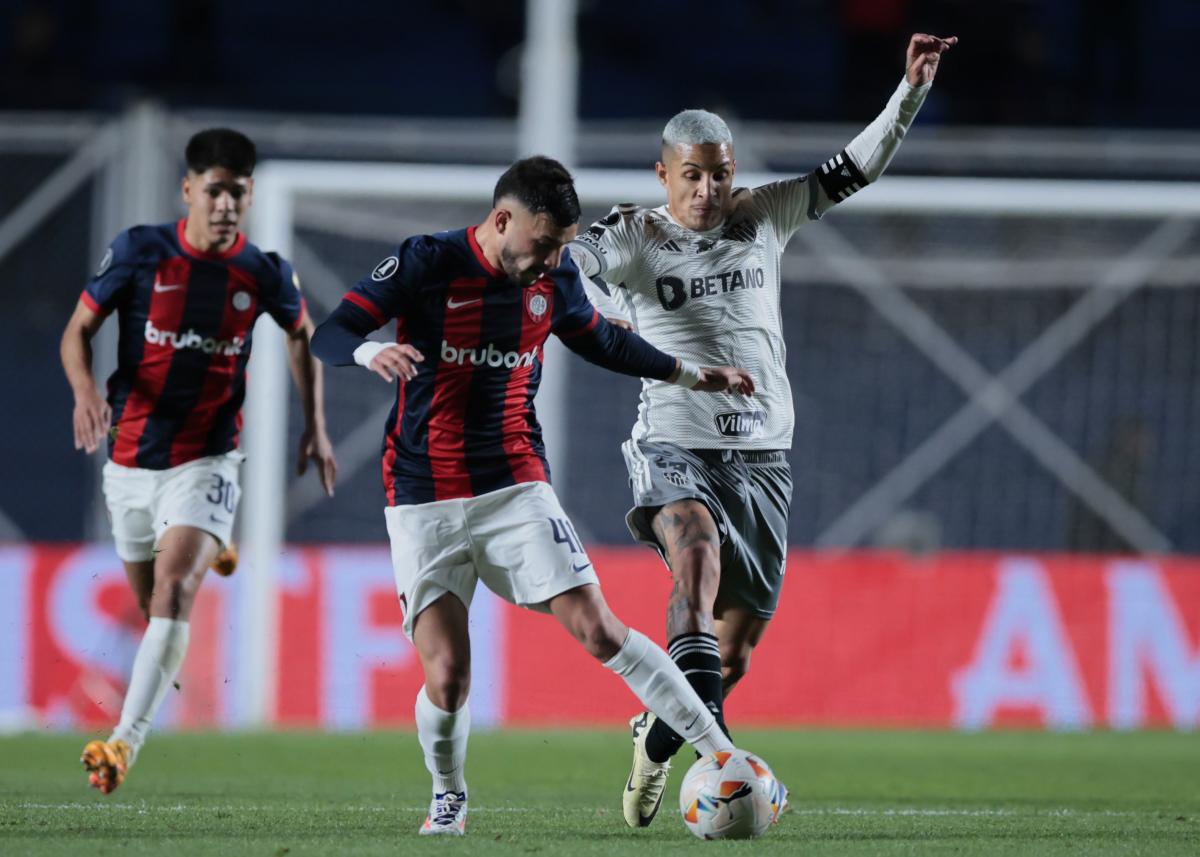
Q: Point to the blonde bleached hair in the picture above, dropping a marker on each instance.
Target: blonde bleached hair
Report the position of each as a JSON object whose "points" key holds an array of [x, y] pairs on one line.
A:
{"points": [[696, 128]]}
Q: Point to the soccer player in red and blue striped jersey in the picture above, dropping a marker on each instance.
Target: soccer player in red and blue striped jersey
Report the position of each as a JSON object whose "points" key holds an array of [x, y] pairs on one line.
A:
{"points": [[467, 484], [186, 296]]}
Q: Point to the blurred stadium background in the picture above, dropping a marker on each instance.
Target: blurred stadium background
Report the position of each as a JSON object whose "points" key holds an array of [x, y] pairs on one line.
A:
{"points": [[993, 352]]}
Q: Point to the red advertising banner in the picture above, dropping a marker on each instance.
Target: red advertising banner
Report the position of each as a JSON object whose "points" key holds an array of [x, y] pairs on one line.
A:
{"points": [[966, 640]]}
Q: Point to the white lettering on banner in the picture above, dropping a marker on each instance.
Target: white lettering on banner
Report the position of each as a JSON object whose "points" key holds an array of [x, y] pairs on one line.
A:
{"points": [[1148, 638], [1022, 617], [352, 648], [355, 647], [102, 647], [16, 569]]}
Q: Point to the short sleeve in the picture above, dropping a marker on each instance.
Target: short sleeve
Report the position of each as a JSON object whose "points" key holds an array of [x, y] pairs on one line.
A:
{"points": [[284, 301], [787, 205], [113, 281], [393, 286], [574, 313], [612, 245]]}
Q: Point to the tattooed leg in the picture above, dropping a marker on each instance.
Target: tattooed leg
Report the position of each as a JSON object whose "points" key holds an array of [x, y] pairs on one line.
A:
{"points": [[692, 544], [688, 534]]}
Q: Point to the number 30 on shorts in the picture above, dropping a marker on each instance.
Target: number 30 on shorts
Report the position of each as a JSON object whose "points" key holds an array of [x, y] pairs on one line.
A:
{"points": [[223, 492]]}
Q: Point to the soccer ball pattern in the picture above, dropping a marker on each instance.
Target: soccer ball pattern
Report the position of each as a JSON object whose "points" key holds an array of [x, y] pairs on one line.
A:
{"points": [[729, 795]]}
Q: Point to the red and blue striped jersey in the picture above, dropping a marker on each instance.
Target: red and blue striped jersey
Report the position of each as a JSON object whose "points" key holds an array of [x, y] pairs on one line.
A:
{"points": [[466, 424], [185, 321]]}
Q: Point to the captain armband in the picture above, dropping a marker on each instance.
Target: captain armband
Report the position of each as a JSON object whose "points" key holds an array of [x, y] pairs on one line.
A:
{"points": [[840, 178]]}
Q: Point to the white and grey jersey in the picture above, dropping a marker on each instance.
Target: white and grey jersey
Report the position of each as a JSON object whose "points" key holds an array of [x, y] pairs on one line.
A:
{"points": [[713, 297]]}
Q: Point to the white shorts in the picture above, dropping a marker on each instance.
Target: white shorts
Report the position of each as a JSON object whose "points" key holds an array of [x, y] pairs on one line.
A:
{"points": [[517, 540], [143, 504]]}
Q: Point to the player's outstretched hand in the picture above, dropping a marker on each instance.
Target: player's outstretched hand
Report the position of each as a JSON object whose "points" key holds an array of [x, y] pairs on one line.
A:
{"points": [[924, 51], [315, 444], [620, 322], [397, 362], [725, 379], [92, 419]]}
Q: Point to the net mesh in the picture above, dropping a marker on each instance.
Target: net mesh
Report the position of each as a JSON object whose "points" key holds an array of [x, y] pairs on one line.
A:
{"points": [[1123, 399]]}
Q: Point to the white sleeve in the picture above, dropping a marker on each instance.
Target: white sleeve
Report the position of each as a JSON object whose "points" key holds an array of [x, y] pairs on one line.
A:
{"points": [[610, 246], [605, 304], [868, 154], [787, 205]]}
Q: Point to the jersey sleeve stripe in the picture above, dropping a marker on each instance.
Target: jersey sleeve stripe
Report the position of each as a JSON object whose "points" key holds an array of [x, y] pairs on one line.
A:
{"points": [[580, 331], [299, 322], [90, 303], [364, 303]]}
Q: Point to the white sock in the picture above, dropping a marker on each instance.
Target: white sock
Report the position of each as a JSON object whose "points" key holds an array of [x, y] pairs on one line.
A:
{"points": [[158, 659], [443, 736], [661, 687]]}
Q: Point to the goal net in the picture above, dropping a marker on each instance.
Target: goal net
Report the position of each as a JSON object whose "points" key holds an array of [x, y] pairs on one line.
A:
{"points": [[999, 364]]}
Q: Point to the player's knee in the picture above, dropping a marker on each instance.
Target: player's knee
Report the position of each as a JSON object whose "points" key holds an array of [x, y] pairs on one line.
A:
{"points": [[448, 682], [602, 638], [696, 586], [697, 564], [174, 592]]}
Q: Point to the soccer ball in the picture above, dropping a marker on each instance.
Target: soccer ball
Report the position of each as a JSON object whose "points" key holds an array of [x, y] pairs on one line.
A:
{"points": [[729, 795]]}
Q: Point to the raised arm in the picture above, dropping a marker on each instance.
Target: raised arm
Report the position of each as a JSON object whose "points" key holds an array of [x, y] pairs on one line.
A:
{"points": [[790, 203], [868, 155]]}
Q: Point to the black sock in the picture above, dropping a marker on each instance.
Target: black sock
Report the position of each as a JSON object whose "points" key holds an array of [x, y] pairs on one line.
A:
{"points": [[698, 658]]}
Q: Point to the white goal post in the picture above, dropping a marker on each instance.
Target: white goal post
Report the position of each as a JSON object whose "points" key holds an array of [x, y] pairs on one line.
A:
{"points": [[278, 185]]}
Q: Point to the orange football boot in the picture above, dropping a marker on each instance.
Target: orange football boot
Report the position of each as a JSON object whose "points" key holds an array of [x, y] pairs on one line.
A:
{"points": [[106, 762]]}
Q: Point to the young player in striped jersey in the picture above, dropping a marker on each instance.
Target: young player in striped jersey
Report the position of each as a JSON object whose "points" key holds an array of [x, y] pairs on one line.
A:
{"points": [[464, 469], [186, 295], [710, 478]]}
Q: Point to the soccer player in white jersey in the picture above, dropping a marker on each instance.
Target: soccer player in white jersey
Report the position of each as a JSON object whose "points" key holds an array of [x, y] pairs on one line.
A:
{"points": [[699, 276]]}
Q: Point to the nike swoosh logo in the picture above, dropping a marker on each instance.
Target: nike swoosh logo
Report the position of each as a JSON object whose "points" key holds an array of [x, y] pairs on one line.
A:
{"points": [[579, 568], [629, 783], [453, 304], [644, 820], [217, 520], [159, 287]]}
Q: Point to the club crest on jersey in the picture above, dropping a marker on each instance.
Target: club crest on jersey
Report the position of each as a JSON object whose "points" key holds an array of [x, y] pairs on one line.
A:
{"points": [[385, 269], [241, 301], [105, 262], [536, 305]]}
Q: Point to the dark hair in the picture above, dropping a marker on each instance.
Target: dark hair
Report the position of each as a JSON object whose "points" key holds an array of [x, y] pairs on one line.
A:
{"points": [[221, 147], [541, 184]]}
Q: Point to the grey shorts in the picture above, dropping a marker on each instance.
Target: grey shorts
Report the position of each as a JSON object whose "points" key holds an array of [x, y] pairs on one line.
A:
{"points": [[747, 492]]}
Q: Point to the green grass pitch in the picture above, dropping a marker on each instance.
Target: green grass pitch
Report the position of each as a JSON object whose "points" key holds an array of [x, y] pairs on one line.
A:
{"points": [[558, 792]]}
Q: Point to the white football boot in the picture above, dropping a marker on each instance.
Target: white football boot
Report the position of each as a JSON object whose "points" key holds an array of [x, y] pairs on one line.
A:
{"points": [[447, 815], [647, 780]]}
